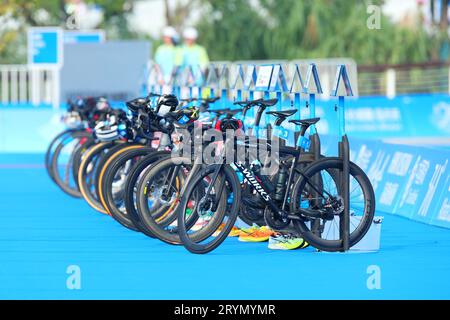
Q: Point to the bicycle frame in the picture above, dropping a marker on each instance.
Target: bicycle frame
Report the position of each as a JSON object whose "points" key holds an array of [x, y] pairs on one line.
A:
{"points": [[254, 181]]}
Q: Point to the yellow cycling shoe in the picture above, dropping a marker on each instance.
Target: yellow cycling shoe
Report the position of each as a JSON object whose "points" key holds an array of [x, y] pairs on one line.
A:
{"points": [[235, 232]]}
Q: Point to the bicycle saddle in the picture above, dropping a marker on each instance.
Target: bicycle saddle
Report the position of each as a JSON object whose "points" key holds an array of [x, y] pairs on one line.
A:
{"points": [[269, 103], [259, 102], [282, 115], [228, 112], [306, 122], [205, 100], [208, 100], [136, 104]]}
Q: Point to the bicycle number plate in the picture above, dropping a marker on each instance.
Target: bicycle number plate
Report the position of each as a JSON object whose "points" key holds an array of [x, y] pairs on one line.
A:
{"points": [[184, 120], [304, 143]]}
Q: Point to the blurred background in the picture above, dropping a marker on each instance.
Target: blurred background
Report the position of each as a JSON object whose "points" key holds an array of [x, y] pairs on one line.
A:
{"points": [[412, 31], [396, 51], [398, 121]]}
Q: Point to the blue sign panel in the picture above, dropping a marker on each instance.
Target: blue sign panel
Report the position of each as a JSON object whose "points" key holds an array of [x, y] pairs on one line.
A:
{"points": [[97, 36], [45, 46]]}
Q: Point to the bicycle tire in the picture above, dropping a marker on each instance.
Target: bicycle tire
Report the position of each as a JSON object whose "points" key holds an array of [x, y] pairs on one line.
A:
{"points": [[189, 242], [333, 165], [106, 178], [170, 237], [90, 154], [131, 186], [72, 191], [49, 153]]}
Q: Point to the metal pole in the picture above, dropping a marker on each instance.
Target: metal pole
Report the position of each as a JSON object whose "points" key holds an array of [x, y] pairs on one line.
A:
{"points": [[344, 154], [315, 140]]}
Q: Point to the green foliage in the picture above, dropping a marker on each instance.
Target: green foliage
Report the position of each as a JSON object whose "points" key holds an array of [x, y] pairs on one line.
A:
{"points": [[254, 29], [308, 29], [231, 30]]}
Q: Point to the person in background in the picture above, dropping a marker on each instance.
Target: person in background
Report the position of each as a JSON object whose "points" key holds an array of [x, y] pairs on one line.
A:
{"points": [[166, 55], [192, 54]]}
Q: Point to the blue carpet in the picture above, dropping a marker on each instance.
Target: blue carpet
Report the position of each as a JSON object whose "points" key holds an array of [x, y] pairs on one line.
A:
{"points": [[43, 231]]}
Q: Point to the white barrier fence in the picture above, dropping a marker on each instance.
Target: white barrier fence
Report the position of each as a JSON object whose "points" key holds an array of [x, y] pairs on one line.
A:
{"points": [[21, 84], [393, 80]]}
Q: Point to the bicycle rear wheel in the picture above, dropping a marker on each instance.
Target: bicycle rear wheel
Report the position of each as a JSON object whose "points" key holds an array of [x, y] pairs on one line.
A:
{"points": [[362, 204], [88, 171], [158, 196], [62, 162], [51, 148], [113, 178], [131, 186]]}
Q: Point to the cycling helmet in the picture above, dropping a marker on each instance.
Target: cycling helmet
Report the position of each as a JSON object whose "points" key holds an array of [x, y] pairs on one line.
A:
{"points": [[229, 124], [72, 120], [107, 131], [102, 104], [166, 103], [89, 103]]}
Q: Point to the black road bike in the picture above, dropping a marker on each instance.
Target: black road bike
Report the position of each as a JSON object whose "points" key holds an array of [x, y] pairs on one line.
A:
{"points": [[309, 199]]}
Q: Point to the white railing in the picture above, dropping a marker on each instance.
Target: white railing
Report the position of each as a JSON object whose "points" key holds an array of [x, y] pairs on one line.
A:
{"points": [[393, 80], [20, 84]]}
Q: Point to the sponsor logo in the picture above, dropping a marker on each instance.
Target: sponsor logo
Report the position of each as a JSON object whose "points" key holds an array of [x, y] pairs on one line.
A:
{"points": [[252, 180]]}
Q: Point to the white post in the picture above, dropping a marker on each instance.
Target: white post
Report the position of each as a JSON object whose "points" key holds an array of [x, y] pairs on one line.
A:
{"points": [[46, 81], [14, 87], [23, 85], [56, 99], [391, 83], [5, 87], [326, 84], [34, 87]]}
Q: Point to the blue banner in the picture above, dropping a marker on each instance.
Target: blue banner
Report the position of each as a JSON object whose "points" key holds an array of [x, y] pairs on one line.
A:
{"points": [[45, 46], [379, 117], [409, 181], [96, 36]]}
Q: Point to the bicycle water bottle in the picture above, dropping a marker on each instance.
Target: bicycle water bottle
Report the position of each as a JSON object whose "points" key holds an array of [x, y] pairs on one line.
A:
{"points": [[281, 184]]}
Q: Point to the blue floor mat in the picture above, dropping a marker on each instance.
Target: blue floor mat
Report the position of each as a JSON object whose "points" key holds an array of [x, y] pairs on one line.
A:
{"points": [[43, 231]]}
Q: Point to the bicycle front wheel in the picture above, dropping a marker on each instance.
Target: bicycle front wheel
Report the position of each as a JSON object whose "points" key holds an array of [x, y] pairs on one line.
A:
{"points": [[219, 220]]}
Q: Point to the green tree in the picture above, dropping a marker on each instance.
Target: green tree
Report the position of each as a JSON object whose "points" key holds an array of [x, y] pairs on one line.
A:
{"points": [[231, 30], [270, 29]]}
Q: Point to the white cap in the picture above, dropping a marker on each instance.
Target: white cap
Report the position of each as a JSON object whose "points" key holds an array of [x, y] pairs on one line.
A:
{"points": [[190, 33], [170, 32]]}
